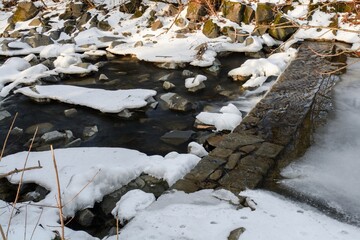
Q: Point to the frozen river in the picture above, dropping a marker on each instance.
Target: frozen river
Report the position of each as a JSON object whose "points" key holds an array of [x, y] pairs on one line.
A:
{"points": [[329, 171]]}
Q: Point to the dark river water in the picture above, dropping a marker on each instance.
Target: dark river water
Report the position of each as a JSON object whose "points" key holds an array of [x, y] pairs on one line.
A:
{"points": [[142, 131]]}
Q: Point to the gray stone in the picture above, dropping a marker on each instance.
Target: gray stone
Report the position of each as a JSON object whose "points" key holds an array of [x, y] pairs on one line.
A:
{"points": [[168, 85], [269, 150], [125, 114], [233, 161], [257, 164], [4, 114], [17, 131], [236, 233], [197, 88], [103, 77], [235, 140], [104, 25], [166, 77], [187, 73], [38, 40], [109, 39], [176, 102], [90, 131], [85, 217], [55, 34], [239, 179], [176, 137], [249, 41], [216, 175], [204, 168], [51, 79], [84, 19], [221, 152], [54, 136], [234, 11], [42, 128], [248, 148], [185, 185]]}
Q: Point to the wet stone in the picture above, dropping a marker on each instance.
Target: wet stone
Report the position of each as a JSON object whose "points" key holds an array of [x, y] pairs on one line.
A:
{"points": [[70, 112], [103, 77], [85, 217], [4, 114], [236, 233], [216, 175], [221, 152], [247, 149], [269, 150], [17, 131], [42, 128], [177, 137], [53, 136], [90, 131], [185, 185], [240, 179], [233, 161], [235, 140], [204, 168], [168, 85]]}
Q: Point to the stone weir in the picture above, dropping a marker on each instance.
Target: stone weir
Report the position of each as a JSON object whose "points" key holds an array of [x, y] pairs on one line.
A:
{"points": [[278, 130]]}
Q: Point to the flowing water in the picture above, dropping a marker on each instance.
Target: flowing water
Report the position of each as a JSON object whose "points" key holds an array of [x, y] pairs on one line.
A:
{"points": [[144, 129], [328, 174]]}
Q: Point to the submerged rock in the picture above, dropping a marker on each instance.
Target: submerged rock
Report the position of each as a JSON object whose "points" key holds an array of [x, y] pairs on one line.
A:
{"points": [[176, 102], [176, 137]]}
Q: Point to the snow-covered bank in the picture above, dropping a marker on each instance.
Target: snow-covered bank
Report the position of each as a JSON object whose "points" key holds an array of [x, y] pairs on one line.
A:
{"points": [[328, 171]]}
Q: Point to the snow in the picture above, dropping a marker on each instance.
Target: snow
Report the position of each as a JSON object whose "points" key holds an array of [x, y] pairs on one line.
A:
{"points": [[195, 81], [201, 215], [260, 69], [106, 169], [335, 152], [228, 118], [109, 101], [197, 149], [132, 203]]}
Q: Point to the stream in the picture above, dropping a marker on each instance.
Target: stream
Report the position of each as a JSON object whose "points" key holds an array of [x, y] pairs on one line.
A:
{"points": [[143, 130]]}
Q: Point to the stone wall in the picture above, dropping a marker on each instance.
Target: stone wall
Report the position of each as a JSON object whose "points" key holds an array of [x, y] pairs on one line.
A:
{"points": [[278, 130]]}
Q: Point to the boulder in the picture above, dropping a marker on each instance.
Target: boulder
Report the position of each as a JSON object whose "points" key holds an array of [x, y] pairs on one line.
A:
{"points": [[211, 29], [42, 128], [24, 12], [195, 11], [236, 233], [264, 14], [282, 33], [234, 11], [156, 25]]}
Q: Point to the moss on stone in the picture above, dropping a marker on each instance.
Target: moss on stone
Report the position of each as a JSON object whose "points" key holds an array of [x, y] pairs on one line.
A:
{"points": [[264, 13], [211, 29], [282, 29]]}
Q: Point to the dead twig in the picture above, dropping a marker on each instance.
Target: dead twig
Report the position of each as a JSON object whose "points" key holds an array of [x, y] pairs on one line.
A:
{"points": [[2, 233], [37, 223], [20, 183], [59, 203], [7, 136], [19, 170]]}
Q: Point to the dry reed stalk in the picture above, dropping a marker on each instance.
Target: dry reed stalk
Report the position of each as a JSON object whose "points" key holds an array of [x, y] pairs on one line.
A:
{"points": [[20, 183], [7, 136], [59, 195], [37, 223], [2, 233], [117, 227], [19, 170]]}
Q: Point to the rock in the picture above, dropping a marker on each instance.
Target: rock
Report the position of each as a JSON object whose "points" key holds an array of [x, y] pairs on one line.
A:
{"points": [[85, 217], [54, 136], [249, 14], [211, 29], [90, 131], [17, 131], [42, 128], [187, 73], [125, 114], [70, 112], [204, 168], [35, 22], [85, 17], [138, 44], [104, 25], [168, 85], [249, 41], [234, 11], [259, 54], [236, 233], [73, 10], [180, 22], [16, 34], [176, 137], [38, 40], [171, 65], [166, 77], [282, 33], [130, 6], [176, 102], [215, 68], [221, 152], [216, 175], [4, 114], [236, 35], [51, 79], [55, 34], [235, 140], [186, 186], [24, 12], [247, 149], [103, 77], [195, 11], [269, 150], [156, 25], [264, 13], [197, 88], [232, 161]]}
